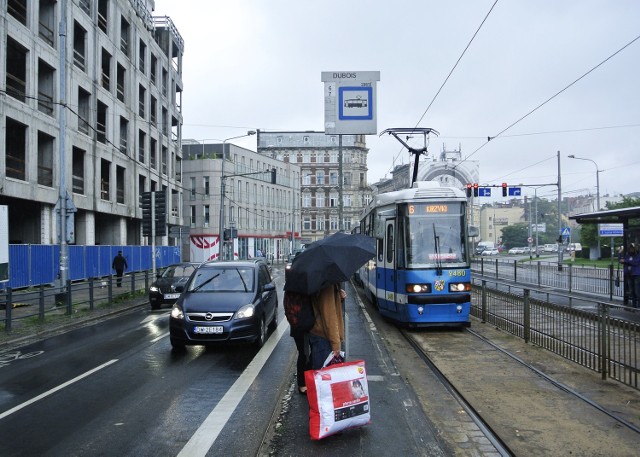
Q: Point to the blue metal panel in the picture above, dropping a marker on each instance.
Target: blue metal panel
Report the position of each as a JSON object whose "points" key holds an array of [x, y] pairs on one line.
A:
{"points": [[77, 260], [44, 263], [18, 265]]}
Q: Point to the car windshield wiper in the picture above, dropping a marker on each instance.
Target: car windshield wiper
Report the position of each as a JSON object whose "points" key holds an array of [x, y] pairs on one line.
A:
{"points": [[244, 284], [436, 240], [196, 288]]}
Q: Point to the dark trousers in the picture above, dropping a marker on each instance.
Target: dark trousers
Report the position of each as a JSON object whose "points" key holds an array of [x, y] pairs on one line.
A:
{"points": [[634, 290], [302, 364], [119, 277], [320, 350]]}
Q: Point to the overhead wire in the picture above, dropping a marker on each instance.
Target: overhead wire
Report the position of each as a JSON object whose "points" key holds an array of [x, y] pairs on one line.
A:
{"points": [[450, 72]]}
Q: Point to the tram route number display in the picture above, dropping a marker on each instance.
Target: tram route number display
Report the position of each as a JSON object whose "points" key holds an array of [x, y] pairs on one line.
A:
{"points": [[426, 208]]}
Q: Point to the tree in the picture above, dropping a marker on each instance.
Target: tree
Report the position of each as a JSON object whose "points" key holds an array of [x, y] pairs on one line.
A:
{"points": [[515, 235]]}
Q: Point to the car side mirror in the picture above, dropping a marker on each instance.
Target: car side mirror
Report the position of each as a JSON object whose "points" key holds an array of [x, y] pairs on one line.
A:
{"points": [[269, 286]]}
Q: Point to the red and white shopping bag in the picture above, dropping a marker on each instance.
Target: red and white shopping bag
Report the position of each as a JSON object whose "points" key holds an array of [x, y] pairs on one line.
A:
{"points": [[338, 398]]}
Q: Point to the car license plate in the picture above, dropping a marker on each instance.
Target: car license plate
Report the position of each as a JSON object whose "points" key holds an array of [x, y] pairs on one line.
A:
{"points": [[171, 296], [208, 330]]}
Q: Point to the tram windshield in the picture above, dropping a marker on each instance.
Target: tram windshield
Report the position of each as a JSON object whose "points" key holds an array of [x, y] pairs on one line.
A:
{"points": [[434, 235]]}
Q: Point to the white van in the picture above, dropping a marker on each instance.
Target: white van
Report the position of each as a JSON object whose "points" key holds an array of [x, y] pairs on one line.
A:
{"points": [[574, 247], [550, 248]]}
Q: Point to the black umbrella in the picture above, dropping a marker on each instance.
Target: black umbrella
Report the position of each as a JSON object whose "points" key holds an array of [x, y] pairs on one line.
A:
{"points": [[330, 260]]}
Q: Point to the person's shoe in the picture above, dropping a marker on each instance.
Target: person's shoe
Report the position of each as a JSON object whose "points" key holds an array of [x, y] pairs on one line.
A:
{"points": [[302, 390]]}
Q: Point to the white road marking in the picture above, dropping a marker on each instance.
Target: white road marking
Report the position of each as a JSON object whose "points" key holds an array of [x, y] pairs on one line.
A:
{"points": [[203, 439], [55, 389], [158, 338]]}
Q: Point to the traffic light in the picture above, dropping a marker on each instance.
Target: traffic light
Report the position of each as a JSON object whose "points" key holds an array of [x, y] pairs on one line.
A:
{"points": [[146, 213], [469, 189], [161, 212], [273, 176], [475, 189], [504, 189]]}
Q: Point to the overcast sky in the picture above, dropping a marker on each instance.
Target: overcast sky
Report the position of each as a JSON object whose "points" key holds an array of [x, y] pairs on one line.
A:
{"points": [[252, 64]]}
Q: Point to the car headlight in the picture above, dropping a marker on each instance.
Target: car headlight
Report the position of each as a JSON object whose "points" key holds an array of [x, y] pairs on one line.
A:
{"points": [[177, 313], [459, 287], [246, 311], [154, 289], [418, 288]]}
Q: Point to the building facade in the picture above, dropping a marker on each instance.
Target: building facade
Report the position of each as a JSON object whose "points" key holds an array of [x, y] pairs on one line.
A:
{"points": [[260, 205], [317, 154], [93, 114]]}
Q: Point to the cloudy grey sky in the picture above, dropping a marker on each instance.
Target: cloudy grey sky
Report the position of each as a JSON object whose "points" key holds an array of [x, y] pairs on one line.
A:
{"points": [[257, 64]]}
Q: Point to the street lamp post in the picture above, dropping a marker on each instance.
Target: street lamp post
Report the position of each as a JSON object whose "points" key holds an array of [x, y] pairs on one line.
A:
{"points": [[222, 190], [597, 187]]}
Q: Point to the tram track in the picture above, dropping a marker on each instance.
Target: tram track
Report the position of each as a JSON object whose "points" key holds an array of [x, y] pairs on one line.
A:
{"points": [[519, 406]]}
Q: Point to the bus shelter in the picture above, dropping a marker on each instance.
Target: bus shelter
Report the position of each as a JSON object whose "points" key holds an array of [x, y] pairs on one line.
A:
{"points": [[630, 220]]}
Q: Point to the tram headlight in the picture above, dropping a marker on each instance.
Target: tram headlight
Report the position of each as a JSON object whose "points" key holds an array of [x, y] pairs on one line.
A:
{"points": [[418, 288], [459, 287]]}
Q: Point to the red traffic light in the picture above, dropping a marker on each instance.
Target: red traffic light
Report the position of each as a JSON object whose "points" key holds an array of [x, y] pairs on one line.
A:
{"points": [[504, 189], [475, 189], [469, 187]]}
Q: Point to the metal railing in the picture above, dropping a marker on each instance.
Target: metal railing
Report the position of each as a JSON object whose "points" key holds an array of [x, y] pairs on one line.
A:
{"points": [[590, 332], [35, 304], [574, 278]]}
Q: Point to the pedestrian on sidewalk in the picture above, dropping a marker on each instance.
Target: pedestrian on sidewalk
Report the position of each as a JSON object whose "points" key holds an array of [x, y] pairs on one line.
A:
{"points": [[631, 262], [119, 265], [327, 334]]}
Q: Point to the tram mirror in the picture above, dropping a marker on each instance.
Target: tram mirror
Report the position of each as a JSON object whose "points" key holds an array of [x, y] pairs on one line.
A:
{"points": [[473, 231]]}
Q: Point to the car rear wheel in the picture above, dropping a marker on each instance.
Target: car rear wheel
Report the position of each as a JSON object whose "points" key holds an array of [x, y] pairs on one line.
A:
{"points": [[262, 335]]}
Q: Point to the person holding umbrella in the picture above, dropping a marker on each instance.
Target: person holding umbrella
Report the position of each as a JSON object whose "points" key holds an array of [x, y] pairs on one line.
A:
{"points": [[327, 333]]}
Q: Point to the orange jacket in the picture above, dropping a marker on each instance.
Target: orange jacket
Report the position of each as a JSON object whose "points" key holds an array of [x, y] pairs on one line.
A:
{"points": [[327, 306]]}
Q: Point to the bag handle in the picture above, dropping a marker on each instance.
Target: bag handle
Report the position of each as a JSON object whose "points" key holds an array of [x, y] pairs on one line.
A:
{"points": [[332, 360]]}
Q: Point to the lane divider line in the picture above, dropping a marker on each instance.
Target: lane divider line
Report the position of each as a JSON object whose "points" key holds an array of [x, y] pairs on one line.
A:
{"points": [[56, 389], [203, 439]]}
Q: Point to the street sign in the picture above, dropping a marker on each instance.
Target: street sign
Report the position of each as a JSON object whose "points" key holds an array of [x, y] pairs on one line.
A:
{"points": [[484, 192], [566, 231], [611, 229], [350, 102], [515, 191], [530, 240], [177, 231]]}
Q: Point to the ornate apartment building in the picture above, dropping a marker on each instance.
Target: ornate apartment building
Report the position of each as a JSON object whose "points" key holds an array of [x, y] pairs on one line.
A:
{"points": [[317, 156], [101, 127]]}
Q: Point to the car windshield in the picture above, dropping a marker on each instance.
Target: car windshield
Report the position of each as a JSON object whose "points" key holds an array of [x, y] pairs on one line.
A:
{"points": [[223, 279], [178, 271]]}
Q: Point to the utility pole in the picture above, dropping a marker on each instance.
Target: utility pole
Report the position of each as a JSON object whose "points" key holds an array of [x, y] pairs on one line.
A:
{"points": [[560, 250], [62, 113]]}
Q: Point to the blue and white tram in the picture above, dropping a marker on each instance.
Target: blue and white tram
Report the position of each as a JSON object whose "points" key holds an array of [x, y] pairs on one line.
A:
{"points": [[420, 276]]}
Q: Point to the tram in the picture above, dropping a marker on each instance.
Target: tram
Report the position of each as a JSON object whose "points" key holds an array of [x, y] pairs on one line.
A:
{"points": [[421, 275]]}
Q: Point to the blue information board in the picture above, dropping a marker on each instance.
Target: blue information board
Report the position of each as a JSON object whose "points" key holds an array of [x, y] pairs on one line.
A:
{"points": [[515, 191], [484, 191]]}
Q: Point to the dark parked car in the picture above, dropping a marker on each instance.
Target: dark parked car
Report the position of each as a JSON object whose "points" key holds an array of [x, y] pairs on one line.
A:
{"points": [[163, 290], [228, 301]]}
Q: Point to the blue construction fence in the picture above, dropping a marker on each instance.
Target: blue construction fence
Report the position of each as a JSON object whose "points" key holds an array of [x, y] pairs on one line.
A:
{"points": [[35, 264]]}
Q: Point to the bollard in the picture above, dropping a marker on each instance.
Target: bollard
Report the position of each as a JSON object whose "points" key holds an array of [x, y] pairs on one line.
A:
{"points": [[41, 302], [91, 286]]}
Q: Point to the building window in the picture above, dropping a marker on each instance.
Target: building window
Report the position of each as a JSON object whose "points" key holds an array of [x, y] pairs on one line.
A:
{"points": [[125, 31], [45, 159], [46, 21], [120, 184], [333, 178], [120, 82], [320, 200], [153, 108], [16, 134], [142, 57], [18, 9], [46, 76], [192, 218], [306, 180], [101, 122], [320, 225], [333, 222], [153, 69], [192, 192], [142, 140], [306, 200], [85, 5], [16, 75], [142, 95], [153, 152], [320, 177], [77, 171], [205, 183], [79, 46], [333, 200], [103, 15], [105, 166], [347, 179], [163, 158], [306, 223], [205, 223], [124, 135], [165, 81], [84, 99], [106, 69]]}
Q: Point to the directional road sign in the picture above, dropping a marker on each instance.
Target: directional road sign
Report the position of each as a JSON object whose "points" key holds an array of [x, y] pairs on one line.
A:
{"points": [[515, 191], [484, 192], [610, 229]]}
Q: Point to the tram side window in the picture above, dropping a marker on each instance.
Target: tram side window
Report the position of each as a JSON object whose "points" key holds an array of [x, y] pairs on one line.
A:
{"points": [[389, 243], [380, 250]]}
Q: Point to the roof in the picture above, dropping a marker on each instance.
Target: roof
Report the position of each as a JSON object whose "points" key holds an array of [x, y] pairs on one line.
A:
{"points": [[609, 216]]}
